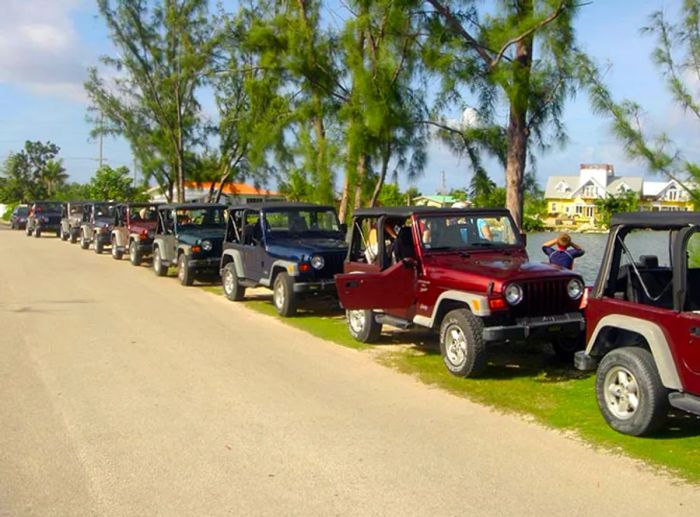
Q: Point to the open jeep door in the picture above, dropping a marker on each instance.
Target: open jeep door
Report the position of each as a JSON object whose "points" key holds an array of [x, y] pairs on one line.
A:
{"points": [[393, 288]]}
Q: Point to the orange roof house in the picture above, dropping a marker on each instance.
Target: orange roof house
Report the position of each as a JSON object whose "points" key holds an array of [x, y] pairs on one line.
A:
{"points": [[243, 193]]}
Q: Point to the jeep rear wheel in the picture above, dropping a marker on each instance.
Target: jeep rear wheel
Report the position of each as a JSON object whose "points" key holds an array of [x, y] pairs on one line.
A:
{"points": [[233, 290], [565, 348], [73, 237], [64, 236], [84, 243], [158, 266], [99, 247], [28, 230], [462, 344], [134, 254], [37, 233], [629, 392], [116, 253], [184, 273], [283, 295], [363, 326]]}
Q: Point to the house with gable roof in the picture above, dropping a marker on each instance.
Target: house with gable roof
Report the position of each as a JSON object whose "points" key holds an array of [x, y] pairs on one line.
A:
{"points": [[574, 197]]}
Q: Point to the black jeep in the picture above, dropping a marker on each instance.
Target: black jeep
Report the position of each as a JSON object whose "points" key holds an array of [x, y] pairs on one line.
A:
{"points": [[98, 219], [44, 216], [189, 236], [293, 248], [72, 220]]}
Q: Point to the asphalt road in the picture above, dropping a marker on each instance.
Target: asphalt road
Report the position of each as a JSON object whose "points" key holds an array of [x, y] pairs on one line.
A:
{"points": [[126, 394]]}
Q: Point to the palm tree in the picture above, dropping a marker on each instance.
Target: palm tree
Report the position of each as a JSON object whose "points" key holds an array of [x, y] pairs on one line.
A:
{"points": [[53, 176]]}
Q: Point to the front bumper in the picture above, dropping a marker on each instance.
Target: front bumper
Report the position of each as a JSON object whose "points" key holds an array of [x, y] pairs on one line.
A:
{"points": [[48, 227], [569, 325], [103, 238], [205, 263], [320, 286]]}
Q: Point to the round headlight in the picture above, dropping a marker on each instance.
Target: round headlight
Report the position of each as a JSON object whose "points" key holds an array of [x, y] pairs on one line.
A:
{"points": [[574, 288], [206, 245], [317, 262], [514, 294]]}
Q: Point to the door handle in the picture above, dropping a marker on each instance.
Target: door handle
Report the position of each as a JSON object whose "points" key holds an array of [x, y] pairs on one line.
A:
{"points": [[351, 284], [695, 331]]}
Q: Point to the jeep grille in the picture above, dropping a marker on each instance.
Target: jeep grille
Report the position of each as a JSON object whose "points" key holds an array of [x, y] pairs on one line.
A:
{"points": [[545, 297]]}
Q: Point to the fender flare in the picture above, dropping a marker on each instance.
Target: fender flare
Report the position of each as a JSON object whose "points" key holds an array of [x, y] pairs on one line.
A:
{"points": [[288, 266], [654, 336], [237, 259], [477, 303]]}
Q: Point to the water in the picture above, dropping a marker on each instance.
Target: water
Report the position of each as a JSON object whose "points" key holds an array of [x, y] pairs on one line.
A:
{"points": [[639, 243]]}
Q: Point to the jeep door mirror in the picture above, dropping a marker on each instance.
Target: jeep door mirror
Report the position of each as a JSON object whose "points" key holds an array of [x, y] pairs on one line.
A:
{"points": [[343, 228], [523, 238], [409, 263]]}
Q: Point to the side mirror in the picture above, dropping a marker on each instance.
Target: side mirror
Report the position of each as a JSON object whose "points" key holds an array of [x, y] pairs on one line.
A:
{"points": [[344, 228], [523, 238], [409, 263]]}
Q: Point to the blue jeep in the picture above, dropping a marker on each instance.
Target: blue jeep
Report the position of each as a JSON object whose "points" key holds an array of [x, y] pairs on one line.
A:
{"points": [[294, 249]]}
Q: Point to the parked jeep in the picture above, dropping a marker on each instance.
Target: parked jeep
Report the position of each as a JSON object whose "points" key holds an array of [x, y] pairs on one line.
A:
{"points": [[44, 216], [18, 218], [72, 220], [134, 227], [643, 318], [295, 249], [189, 236], [462, 272], [96, 227]]}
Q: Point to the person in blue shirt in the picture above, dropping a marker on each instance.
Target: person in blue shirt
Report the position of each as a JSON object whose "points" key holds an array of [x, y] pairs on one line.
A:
{"points": [[562, 251]]}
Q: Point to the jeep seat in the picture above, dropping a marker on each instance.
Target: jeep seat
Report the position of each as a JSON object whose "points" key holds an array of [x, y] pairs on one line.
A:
{"points": [[658, 281], [403, 245]]}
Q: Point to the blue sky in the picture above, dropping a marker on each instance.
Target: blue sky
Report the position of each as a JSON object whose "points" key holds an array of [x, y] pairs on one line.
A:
{"points": [[46, 46]]}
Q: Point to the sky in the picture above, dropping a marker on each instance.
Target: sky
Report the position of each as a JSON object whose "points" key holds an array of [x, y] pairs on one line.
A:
{"points": [[46, 47]]}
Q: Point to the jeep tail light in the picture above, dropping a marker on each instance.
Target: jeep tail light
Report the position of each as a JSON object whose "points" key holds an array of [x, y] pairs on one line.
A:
{"points": [[143, 235], [196, 248], [304, 267], [498, 303]]}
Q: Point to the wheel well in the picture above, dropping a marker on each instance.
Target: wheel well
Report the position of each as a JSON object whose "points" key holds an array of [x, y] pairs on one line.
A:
{"points": [[610, 338], [447, 306], [226, 259], [276, 271]]}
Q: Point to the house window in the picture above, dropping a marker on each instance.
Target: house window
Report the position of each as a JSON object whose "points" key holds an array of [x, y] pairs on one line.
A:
{"points": [[589, 211], [672, 193], [589, 191], [554, 208], [579, 209], [562, 187]]}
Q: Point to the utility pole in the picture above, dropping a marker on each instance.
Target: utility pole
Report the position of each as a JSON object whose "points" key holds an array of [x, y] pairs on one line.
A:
{"points": [[444, 184], [101, 129]]}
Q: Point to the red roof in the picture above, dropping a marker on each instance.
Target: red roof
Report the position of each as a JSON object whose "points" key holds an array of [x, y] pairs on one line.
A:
{"points": [[232, 188]]}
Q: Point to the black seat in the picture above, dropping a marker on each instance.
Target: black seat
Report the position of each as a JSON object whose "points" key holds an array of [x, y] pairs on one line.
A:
{"points": [[403, 245]]}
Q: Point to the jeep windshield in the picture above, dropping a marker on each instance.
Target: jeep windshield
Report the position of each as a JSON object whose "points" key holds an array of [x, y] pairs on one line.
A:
{"points": [[47, 207], [104, 211], [193, 218], [468, 231], [286, 223]]}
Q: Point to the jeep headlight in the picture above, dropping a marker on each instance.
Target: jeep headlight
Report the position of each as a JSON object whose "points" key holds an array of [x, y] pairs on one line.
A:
{"points": [[574, 288], [206, 245], [513, 294], [317, 262]]}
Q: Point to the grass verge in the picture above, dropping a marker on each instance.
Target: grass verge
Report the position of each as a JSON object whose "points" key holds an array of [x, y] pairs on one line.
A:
{"points": [[519, 379]]}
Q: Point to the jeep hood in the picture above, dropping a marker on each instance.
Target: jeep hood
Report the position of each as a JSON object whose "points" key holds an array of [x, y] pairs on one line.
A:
{"points": [[305, 247], [192, 235], [481, 270]]}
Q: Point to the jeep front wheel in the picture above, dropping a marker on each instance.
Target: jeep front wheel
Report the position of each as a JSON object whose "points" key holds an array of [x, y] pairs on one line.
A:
{"points": [[99, 247], [233, 290], [64, 236], [73, 237], [84, 243], [37, 233], [158, 266], [116, 253], [363, 326], [565, 348], [184, 273], [28, 230], [134, 254], [462, 344], [629, 392], [283, 295]]}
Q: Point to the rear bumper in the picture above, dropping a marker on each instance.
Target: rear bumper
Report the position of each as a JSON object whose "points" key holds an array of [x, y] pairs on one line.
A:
{"points": [[567, 325]]}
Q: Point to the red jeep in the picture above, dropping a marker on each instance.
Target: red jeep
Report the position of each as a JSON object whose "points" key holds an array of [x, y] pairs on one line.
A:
{"points": [[463, 272], [644, 321], [134, 226]]}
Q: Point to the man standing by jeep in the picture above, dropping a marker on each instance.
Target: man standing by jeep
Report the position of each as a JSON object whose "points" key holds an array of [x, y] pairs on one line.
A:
{"points": [[562, 251]]}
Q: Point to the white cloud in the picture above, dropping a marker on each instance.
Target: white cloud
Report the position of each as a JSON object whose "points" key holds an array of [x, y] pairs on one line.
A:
{"points": [[40, 49]]}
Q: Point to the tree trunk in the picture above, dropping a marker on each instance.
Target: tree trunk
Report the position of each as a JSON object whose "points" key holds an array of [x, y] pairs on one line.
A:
{"points": [[518, 132], [361, 171], [382, 176], [344, 199]]}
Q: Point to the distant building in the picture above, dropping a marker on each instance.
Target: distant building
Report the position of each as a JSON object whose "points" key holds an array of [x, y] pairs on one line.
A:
{"points": [[435, 201], [232, 193], [573, 197]]}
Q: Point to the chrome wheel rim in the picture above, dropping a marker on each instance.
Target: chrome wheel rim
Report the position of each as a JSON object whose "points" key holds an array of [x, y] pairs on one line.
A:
{"points": [[156, 260], [455, 345], [622, 396], [229, 283], [181, 268], [114, 249], [357, 321], [132, 252], [279, 295]]}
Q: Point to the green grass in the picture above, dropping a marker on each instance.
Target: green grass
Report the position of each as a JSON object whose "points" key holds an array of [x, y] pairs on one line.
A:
{"points": [[519, 379]]}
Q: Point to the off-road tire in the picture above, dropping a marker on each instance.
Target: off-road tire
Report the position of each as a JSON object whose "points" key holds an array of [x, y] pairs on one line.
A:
{"points": [[58, 234], [72, 236], [135, 256], [37, 233], [283, 297], [28, 231], [184, 273], [13, 226], [99, 247], [565, 348], [645, 384], [233, 289], [84, 243], [158, 266], [462, 344], [64, 236], [363, 326], [116, 253]]}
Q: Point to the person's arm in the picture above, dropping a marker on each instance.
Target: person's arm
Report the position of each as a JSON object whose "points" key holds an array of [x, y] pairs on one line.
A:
{"points": [[549, 243], [577, 251], [547, 250]]}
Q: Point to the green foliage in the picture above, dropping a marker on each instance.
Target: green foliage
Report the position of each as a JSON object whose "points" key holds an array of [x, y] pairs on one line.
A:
{"points": [[32, 173], [610, 205], [8, 211], [110, 184], [496, 198], [392, 196]]}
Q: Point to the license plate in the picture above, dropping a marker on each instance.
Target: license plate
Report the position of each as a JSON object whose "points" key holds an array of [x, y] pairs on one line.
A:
{"points": [[554, 328]]}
